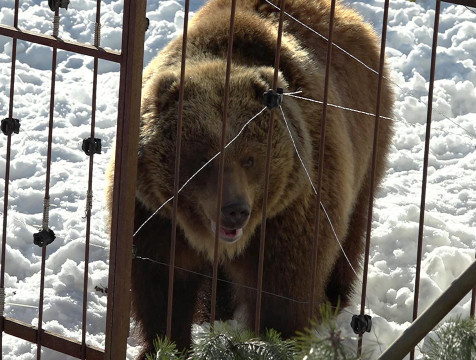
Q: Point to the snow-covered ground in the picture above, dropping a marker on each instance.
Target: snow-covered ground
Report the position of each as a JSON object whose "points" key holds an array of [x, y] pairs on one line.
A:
{"points": [[450, 226]]}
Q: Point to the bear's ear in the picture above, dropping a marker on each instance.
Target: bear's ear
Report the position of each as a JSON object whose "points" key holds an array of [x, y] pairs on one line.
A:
{"points": [[167, 89], [261, 82], [264, 81], [163, 91]]}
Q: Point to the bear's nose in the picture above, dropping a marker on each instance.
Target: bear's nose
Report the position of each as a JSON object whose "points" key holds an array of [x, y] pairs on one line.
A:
{"points": [[235, 215]]}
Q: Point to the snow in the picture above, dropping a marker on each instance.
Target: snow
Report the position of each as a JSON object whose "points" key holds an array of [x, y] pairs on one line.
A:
{"points": [[450, 218]]}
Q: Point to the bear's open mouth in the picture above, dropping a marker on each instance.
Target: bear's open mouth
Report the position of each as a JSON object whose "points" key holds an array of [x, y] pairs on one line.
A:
{"points": [[227, 235]]}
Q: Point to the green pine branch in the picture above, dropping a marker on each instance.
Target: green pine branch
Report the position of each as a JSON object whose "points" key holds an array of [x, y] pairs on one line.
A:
{"points": [[225, 342], [455, 339]]}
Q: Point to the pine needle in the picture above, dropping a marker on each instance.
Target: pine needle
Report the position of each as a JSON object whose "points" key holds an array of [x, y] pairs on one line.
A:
{"points": [[455, 339]]}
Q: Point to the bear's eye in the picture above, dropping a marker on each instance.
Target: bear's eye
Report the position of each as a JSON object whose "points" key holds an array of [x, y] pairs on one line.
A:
{"points": [[249, 162]]}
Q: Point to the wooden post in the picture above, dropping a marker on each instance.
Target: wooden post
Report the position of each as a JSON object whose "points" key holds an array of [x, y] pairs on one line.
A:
{"points": [[432, 316], [118, 300]]}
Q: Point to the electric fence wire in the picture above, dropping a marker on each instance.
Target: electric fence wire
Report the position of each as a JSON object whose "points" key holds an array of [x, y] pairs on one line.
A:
{"points": [[410, 92]]}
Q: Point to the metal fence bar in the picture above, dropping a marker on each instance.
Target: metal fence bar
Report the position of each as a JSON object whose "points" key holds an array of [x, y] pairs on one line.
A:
{"points": [[7, 165], [462, 2], [47, 195], [173, 239], [469, 3], [89, 195], [432, 316], [473, 301], [473, 297], [373, 166], [425, 164], [122, 222], [267, 171], [320, 166], [51, 41], [222, 159], [50, 340]]}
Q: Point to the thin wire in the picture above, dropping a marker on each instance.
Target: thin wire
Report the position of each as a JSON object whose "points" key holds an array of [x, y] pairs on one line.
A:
{"points": [[293, 93], [230, 282], [323, 37], [470, 9], [22, 221], [198, 171], [327, 215], [22, 305], [91, 22], [469, 135], [473, 136], [315, 192], [99, 246], [376, 337], [413, 94], [336, 106]]}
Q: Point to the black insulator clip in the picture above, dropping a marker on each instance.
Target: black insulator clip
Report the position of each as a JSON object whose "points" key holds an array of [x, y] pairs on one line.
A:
{"points": [[91, 146], [272, 99], [361, 323], [10, 126], [44, 237], [147, 23], [56, 4]]}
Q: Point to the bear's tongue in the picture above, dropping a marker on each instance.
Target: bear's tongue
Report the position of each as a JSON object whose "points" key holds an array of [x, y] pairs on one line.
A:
{"points": [[227, 234]]}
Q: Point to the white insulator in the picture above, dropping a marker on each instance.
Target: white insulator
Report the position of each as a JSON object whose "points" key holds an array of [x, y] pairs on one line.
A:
{"points": [[46, 213], [56, 25], [97, 34], [2, 301], [89, 201]]}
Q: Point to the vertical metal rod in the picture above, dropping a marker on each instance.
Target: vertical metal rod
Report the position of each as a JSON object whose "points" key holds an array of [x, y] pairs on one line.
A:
{"points": [[373, 165], [7, 165], [177, 174], [222, 160], [266, 176], [473, 298], [425, 164], [322, 144], [125, 170], [47, 194], [9, 139], [473, 301], [89, 200]]}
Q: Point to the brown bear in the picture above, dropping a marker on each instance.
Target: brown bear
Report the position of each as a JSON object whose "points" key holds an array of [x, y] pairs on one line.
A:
{"points": [[291, 200]]}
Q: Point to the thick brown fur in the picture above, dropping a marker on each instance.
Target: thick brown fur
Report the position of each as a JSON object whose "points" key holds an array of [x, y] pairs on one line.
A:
{"points": [[291, 200]]}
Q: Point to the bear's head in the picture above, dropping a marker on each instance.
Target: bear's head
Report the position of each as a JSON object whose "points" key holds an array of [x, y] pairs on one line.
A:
{"points": [[244, 158]]}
